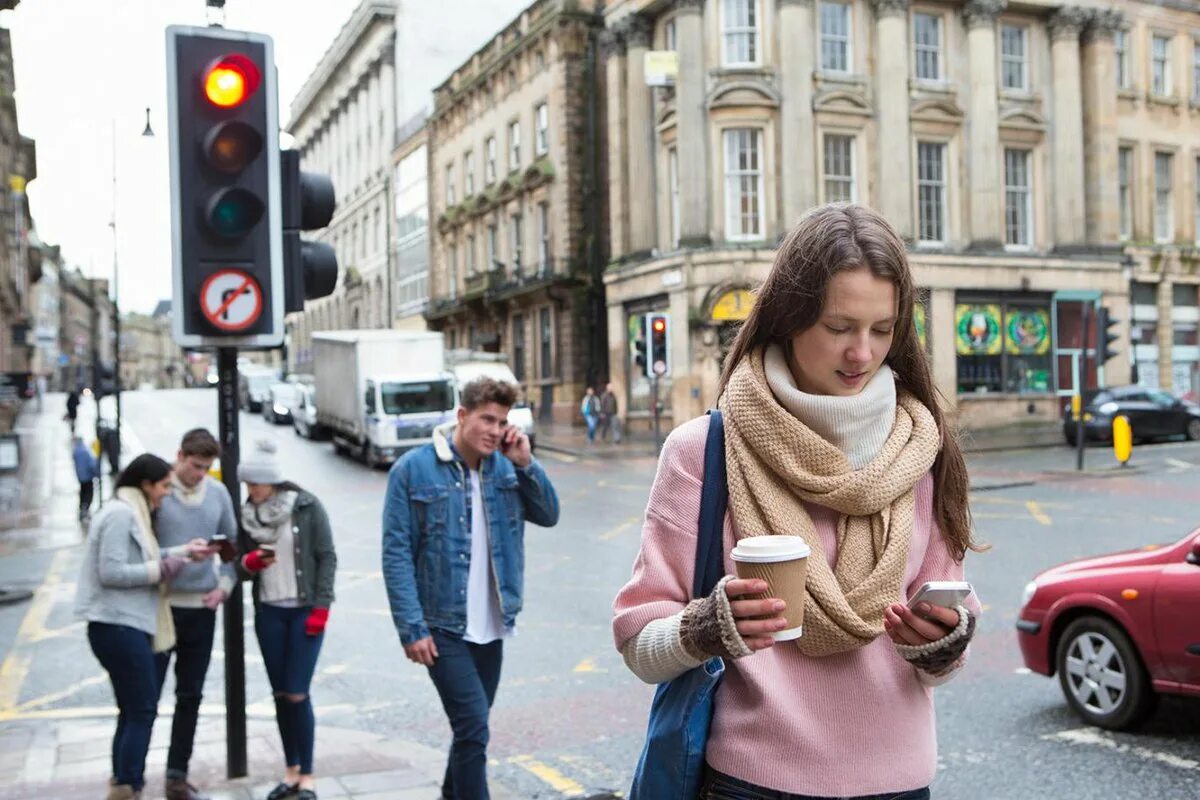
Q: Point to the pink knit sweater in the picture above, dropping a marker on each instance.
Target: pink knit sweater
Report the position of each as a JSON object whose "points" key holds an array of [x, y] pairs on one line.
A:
{"points": [[851, 724]]}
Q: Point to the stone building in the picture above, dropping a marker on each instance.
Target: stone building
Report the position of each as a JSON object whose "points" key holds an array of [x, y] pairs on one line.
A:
{"points": [[343, 121], [410, 227], [45, 306], [85, 340], [20, 258], [516, 254], [150, 359], [1014, 147]]}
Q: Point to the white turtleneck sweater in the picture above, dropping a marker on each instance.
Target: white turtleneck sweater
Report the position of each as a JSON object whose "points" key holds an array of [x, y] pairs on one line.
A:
{"points": [[858, 425]]}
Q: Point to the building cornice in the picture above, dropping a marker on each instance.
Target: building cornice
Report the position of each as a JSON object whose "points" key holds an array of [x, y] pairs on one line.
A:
{"points": [[890, 8], [983, 13], [1067, 22], [1103, 24]]}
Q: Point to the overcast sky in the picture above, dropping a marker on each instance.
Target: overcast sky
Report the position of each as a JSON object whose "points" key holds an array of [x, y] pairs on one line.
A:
{"points": [[83, 65]]}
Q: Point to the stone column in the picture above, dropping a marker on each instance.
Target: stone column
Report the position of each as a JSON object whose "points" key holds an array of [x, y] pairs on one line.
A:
{"points": [[1100, 127], [1067, 126], [983, 121], [691, 125], [799, 166], [642, 215], [893, 165], [613, 44]]}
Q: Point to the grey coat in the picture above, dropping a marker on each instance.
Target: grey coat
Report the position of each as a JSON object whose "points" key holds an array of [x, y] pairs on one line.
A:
{"points": [[118, 581]]}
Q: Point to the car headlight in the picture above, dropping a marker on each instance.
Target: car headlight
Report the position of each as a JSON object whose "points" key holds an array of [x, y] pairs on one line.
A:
{"points": [[1108, 409], [280, 409], [1030, 590]]}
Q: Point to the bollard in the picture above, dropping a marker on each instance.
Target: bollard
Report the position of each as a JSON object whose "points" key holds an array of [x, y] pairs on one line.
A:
{"points": [[1122, 438]]}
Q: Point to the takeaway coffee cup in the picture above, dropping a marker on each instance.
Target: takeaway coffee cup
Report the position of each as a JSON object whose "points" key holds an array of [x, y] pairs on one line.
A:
{"points": [[781, 561]]}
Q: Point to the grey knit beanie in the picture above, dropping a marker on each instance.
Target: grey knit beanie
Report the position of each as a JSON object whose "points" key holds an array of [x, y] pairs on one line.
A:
{"points": [[262, 466]]}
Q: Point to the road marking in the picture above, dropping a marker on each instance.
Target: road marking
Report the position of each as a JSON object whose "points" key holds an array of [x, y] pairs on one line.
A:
{"points": [[1091, 736], [1178, 465], [46, 699], [547, 774], [1022, 671], [1036, 512], [609, 535], [588, 665], [563, 457], [15, 668]]}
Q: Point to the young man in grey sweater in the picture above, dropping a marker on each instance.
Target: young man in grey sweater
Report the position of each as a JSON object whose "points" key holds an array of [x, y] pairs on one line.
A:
{"points": [[198, 507]]}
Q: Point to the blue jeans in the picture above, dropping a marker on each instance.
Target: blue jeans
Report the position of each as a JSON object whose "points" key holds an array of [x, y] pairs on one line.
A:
{"points": [[194, 629], [592, 422], [290, 656], [466, 676], [128, 657], [719, 786]]}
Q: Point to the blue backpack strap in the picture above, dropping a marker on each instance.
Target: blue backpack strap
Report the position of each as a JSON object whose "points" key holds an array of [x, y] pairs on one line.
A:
{"points": [[714, 499]]}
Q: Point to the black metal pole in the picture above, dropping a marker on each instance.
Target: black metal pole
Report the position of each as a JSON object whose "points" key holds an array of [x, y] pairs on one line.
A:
{"points": [[1081, 382], [235, 644], [96, 391], [654, 408], [116, 460]]}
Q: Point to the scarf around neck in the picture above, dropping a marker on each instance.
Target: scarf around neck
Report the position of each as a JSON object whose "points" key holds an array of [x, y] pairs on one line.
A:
{"points": [[776, 463], [189, 495], [164, 628], [262, 521]]}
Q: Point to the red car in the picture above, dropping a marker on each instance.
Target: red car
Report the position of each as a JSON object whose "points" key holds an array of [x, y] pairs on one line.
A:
{"points": [[1118, 629]]}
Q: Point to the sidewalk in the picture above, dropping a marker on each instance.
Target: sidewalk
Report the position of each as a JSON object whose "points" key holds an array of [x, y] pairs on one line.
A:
{"points": [[53, 747]]}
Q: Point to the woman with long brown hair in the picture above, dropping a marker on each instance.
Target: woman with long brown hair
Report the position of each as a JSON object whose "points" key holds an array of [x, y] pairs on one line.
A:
{"points": [[833, 432]]}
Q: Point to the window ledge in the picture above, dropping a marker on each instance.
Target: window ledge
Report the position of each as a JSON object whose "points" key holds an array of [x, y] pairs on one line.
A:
{"points": [[846, 78], [1020, 96], [753, 69], [942, 87], [988, 396], [1127, 94], [1163, 100]]}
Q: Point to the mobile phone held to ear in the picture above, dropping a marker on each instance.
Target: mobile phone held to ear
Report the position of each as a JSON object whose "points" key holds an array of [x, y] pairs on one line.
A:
{"points": [[947, 594]]}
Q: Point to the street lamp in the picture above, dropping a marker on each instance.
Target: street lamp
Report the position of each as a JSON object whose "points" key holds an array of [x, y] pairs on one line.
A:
{"points": [[146, 132]]}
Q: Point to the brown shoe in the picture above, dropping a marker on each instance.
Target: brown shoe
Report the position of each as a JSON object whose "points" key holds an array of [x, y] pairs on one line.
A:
{"points": [[121, 791], [180, 789]]}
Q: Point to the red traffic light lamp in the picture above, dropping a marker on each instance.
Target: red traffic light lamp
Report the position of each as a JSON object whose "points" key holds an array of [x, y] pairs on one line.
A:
{"points": [[230, 79]]}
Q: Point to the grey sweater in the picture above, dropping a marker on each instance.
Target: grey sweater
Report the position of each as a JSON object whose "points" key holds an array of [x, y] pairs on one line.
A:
{"points": [[118, 579], [178, 522]]}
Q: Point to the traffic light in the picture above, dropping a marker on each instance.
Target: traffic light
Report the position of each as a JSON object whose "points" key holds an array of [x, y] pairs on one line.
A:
{"points": [[658, 364], [1105, 335], [310, 269], [226, 215]]}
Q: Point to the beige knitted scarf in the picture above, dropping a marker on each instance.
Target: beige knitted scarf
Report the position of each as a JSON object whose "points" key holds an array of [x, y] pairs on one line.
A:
{"points": [[164, 631], [776, 463]]}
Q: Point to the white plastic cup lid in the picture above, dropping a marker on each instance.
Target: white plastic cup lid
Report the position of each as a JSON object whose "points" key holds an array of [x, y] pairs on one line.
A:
{"points": [[765, 549]]}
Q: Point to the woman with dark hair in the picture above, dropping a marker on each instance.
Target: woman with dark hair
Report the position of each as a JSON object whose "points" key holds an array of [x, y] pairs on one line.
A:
{"points": [[290, 557], [833, 432], [122, 596]]}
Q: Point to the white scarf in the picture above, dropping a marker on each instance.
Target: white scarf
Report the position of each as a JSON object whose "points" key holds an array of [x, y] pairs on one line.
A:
{"points": [[189, 495], [164, 629], [857, 425]]}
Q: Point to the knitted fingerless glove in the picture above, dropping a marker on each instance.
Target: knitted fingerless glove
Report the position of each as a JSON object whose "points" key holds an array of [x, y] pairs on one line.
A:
{"points": [[939, 656], [708, 628]]}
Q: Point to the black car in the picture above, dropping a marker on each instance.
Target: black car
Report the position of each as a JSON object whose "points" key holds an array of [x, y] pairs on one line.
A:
{"points": [[1152, 414]]}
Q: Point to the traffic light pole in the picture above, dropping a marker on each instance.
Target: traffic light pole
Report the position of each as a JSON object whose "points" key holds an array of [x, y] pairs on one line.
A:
{"points": [[234, 619], [655, 408], [1081, 382]]}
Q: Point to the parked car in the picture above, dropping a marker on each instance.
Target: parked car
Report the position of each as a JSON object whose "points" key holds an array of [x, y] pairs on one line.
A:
{"points": [[254, 387], [277, 408], [304, 413], [1152, 413], [1118, 630]]}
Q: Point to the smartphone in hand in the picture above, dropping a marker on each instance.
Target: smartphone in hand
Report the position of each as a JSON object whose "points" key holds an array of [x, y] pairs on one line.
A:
{"points": [[947, 594]]}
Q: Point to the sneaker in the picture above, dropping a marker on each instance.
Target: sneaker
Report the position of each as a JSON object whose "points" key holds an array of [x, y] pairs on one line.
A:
{"points": [[284, 790], [180, 789], [307, 794]]}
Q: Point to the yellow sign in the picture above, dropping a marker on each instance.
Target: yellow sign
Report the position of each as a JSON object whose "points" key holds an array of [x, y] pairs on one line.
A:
{"points": [[16, 183], [733, 306], [661, 67]]}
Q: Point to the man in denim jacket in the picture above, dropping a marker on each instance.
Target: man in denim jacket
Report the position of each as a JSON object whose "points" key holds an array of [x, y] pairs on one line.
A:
{"points": [[454, 562]]}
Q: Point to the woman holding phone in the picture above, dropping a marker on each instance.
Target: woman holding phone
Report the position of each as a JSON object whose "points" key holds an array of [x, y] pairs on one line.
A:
{"points": [[122, 595], [833, 432], [289, 555]]}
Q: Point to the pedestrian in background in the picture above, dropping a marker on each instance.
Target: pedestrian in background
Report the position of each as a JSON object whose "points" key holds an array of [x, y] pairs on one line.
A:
{"points": [[72, 408], [833, 432], [290, 557], [87, 470], [610, 415], [454, 558], [122, 595], [590, 409], [198, 506]]}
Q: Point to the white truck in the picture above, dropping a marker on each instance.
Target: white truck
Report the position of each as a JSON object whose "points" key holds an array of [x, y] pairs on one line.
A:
{"points": [[381, 392], [467, 365]]}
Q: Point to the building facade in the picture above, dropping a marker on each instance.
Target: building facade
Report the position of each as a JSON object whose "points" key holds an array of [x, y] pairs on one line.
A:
{"points": [[45, 306], [516, 203], [998, 141], [344, 121], [150, 359], [85, 342], [410, 226]]}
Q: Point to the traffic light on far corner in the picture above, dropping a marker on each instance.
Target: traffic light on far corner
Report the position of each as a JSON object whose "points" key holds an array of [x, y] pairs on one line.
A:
{"points": [[310, 269], [226, 213], [1105, 335], [658, 329]]}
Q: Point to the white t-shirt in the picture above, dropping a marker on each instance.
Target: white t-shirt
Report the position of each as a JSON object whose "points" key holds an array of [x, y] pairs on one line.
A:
{"points": [[484, 621]]}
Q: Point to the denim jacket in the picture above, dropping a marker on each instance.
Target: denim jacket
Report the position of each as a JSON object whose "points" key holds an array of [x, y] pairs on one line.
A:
{"points": [[427, 534]]}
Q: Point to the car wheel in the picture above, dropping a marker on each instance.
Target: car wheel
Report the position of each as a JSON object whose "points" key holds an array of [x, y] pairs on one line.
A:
{"points": [[1193, 429], [1102, 676]]}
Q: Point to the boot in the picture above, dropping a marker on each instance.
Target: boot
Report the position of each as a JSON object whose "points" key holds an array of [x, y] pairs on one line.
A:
{"points": [[180, 789], [121, 791]]}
